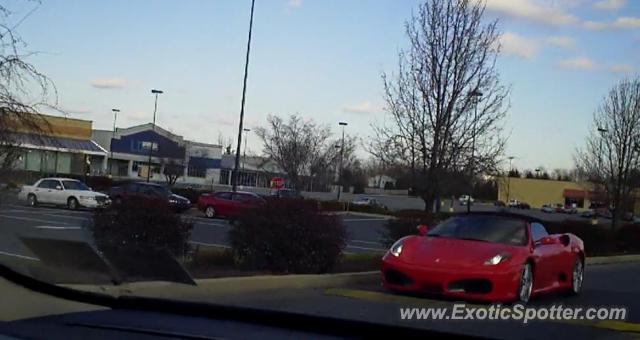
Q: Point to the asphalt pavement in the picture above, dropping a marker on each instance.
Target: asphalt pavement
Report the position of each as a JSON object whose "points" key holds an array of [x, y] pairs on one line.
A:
{"points": [[18, 220]]}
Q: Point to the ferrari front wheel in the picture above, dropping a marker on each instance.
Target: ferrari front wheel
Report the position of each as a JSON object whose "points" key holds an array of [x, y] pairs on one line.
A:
{"points": [[577, 276], [526, 283]]}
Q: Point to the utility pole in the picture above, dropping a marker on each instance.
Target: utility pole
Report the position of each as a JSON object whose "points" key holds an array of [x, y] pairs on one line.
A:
{"points": [[151, 143], [343, 124], [113, 136], [475, 94], [234, 174]]}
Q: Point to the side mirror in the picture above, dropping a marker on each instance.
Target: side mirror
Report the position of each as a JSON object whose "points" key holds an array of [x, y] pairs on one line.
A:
{"points": [[422, 229], [547, 240], [58, 187]]}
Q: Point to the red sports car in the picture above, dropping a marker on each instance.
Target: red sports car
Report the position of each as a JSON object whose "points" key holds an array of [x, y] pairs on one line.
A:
{"points": [[228, 204], [485, 256]]}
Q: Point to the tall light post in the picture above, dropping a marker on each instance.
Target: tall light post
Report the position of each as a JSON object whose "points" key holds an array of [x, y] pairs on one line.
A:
{"points": [[602, 132], [234, 174], [113, 136], [153, 126], [509, 178], [476, 95], [537, 173], [244, 153], [343, 124]]}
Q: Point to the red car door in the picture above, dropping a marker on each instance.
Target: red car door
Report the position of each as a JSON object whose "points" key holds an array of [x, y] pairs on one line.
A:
{"points": [[223, 203], [546, 255], [240, 202]]}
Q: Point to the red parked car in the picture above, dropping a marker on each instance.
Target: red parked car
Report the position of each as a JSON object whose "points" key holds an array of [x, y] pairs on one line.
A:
{"points": [[227, 203], [485, 256]]}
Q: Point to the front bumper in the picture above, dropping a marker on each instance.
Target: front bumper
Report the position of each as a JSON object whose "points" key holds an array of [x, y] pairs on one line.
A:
{"points": [[490, 283], [94, 203]]}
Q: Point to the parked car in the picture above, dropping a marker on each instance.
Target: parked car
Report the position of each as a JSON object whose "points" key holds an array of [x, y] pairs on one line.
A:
{"points": [[485, 256], [465, 199], [286, 193], [228, 204], [368, 201], [149, 191], [548, 208], [569, 209], [499, 204], [64, 192], [589, 214], [518, 204]]}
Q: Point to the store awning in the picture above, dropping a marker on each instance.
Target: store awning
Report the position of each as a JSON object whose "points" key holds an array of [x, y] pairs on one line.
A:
{"points": [[60, 144], [574, 194]]}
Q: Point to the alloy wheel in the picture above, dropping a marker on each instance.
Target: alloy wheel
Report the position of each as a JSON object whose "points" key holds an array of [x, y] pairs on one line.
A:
{"points": [[526, 284], [577, 277]]}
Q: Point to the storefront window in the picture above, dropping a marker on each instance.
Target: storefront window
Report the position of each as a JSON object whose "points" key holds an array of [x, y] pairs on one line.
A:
{"points": [[34, 160], [63, 163]]}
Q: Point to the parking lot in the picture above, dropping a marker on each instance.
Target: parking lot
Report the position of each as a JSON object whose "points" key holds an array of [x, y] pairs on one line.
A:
{"points": [[18, 220]]}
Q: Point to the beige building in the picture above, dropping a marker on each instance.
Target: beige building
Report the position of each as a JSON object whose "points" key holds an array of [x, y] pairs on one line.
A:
{"points": [[537, 192]]}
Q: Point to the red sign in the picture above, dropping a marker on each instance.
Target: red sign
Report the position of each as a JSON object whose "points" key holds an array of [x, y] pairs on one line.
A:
{"points": [[277, 183]]}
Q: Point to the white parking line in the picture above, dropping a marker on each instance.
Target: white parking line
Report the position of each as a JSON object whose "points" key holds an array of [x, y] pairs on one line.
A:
{"points": [[33, 219], [65, 216], [365, 248], [366, 242], [20, 256], [363, 219], [209, 244], [56, 228], [219, 225]]}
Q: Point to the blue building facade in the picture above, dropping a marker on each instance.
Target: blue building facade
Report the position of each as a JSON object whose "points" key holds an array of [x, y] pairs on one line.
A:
{"points": [[129, 151]]}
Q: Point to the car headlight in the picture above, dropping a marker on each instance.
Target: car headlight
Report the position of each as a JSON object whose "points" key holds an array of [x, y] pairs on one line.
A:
{"points": [[173, 201], [88, 198], [396, 248], [497, 259]]}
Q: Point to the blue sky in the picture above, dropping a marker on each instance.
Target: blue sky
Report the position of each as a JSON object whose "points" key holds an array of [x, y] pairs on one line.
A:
{"points": [[319, 58]]}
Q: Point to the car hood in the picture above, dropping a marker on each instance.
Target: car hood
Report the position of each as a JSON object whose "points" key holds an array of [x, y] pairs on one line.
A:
{"points": [[449, 252], [179, 198]]}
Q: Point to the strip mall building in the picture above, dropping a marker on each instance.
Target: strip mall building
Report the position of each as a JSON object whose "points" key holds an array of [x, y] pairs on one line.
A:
{"points": [[537, 192]]}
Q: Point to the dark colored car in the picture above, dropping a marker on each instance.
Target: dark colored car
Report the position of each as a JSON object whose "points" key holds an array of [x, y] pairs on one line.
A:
{"points": [[286, 193], [150, 191], [228, 204], [499, 204]]}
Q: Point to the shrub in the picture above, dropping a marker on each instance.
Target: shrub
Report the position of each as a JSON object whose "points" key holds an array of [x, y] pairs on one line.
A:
{"points": [[139, 224], [331, 205], [290, 236]]}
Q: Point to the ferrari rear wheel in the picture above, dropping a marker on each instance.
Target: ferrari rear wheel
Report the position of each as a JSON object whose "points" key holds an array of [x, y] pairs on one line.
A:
{"points": [[577, 276], [526, 283]]}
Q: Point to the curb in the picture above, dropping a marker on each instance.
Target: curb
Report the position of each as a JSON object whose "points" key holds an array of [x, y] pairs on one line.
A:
{"points": [[363, 214], [598, 260]]}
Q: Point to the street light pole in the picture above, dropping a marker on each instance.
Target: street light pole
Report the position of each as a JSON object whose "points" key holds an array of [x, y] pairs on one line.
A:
{"points": [[343, 124], [244, 153], [153, 126], [509, 178], [476, 95], [234, 174], [602, 131], [115, 117]]}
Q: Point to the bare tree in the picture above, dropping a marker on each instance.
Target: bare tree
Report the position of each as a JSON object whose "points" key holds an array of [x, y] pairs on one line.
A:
{"points": [[23, 91], [295, 145], [445, 104], [611, 152], [172, 170]]}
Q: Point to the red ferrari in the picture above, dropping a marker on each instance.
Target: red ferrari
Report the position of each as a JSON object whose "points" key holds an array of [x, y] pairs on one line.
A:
{"points": [[487, 257]]}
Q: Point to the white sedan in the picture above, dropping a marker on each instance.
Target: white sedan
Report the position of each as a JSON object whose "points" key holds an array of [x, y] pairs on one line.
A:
{"points": [[63, 191]]}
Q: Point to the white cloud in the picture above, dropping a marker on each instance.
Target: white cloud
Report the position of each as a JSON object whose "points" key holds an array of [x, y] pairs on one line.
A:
{"points": [[536, 11], [561, 41], [108, 83], [579, 63], [619, 23], [609, 5], [74, 109], [620, 68], [294, 3], [515, 44], [626, 22], [364, 107], [594, 26]]}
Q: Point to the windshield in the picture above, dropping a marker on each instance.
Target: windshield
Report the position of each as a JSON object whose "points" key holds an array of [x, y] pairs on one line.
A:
{"points": [[483, 228], [75, 185], [346, 159]]}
